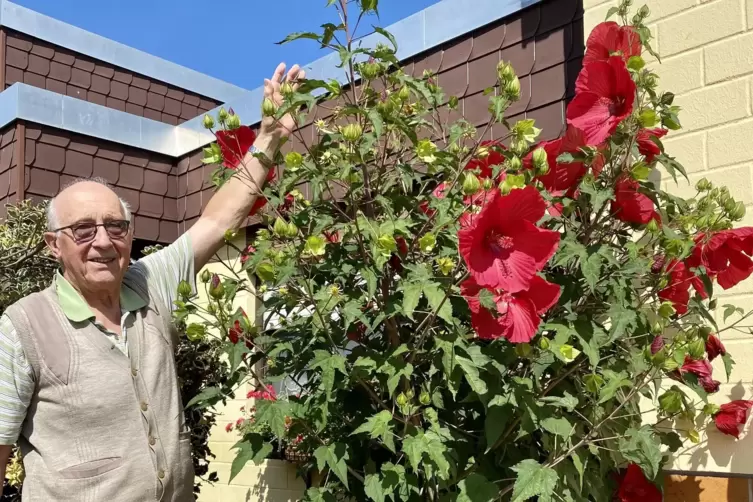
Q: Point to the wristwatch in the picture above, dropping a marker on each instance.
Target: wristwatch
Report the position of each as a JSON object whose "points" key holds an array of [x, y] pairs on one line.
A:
{"points": [[262, 158]]}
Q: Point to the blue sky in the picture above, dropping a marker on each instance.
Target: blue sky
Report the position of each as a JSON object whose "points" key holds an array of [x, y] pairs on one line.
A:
{"points": [[233, 40]]}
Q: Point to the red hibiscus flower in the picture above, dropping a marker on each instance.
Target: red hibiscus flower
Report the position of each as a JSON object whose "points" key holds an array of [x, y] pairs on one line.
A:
{"points": [[630, 205], [234, 145], [332, 237], [677, 289], [397, 258], [474, 203], [267, 394], [229, 427], [503, 248], [634, 487], [609, 38], [657, 345], [701, 369], [598, 162], [561, 177], [246, 254], [491, 157], [235, 333], [714, 347], [438, 193], [646, 144], [518, 314], [604, 95], [731, 416], [726, 255]]}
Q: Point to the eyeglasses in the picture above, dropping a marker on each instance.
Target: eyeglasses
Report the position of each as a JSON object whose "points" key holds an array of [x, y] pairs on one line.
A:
{"points": [[84, 232]]}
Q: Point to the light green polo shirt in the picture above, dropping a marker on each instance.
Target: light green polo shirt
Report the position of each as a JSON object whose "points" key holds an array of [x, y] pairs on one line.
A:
{"points": [[163, 271]]}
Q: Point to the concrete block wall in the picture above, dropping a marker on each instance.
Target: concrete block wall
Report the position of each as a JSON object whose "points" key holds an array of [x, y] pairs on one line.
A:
{"points": [[706, 51], [274, 480]]}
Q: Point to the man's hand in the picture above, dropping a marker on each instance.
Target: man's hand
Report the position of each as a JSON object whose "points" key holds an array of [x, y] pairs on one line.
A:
{"points": [[272, 131], [229, 207]]}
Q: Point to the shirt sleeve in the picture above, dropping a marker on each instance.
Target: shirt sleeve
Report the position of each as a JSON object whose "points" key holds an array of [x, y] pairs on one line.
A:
{"points": [[16, 383], [166, 268]]}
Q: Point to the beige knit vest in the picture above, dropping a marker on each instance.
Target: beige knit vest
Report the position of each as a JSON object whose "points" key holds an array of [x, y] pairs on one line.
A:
{"points": [[102, 426]]}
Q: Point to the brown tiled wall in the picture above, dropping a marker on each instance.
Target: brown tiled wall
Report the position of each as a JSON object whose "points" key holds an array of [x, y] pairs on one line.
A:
{"points": [[8, 168], [37, 63], [145, 180]]}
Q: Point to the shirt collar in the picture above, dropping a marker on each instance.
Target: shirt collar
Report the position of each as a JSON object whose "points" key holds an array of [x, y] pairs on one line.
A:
{"points": [[75, 307]]}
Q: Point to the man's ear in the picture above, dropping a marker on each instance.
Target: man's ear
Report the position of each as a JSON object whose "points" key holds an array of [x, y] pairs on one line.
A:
{"points": [[51, 239]]}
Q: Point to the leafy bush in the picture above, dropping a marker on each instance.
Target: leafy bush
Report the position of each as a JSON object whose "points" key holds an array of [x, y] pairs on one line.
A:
{"points": [[480, 320]]}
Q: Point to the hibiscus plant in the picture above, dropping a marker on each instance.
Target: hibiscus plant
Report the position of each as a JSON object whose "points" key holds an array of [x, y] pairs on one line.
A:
{"points": [[468, 319]]}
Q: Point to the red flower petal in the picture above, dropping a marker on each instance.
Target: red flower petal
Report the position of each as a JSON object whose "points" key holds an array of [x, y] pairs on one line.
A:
{"points": [[234, 145], [646, 144], [492, 158], [714, 347], [634, 487], [732, 415], [630, 205], [561, 177], [677, 289], [604, 95], [503, 248], [608, 38], [702, 369]]}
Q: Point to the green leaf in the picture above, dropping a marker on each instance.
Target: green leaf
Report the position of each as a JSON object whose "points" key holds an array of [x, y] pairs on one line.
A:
{"points": [[728, 364], [728, 311], [235, 354], [611, 12], [578, 463], [255, 450], [533, 480], [373, 487], [396, 368], [431, 444], [388, 35], [614, 382], [476, 488], [641, 447], [411, 296], [622, 317], [496, 421], [299, 35], [436, 296], [591, 268], [472, 374], [371, 280], [672, 166], [568, 401], [273, 413], [569, 249], [376, 121], [559, 426], [598, 196], [486, 298], [568, 353], [334, 456], [329, 364], [379, 426], [206, 397]]}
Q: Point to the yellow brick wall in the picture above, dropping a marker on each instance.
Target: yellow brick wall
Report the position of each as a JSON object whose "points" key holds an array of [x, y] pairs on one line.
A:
{"points": [[273, 481], [706, 48]]}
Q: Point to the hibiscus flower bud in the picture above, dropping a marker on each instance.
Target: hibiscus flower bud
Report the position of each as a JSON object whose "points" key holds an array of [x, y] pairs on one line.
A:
{"points": [[205, 276], [401, 399], [544, 343], [738, 212], [540, 162], [286, 89], [471, 184], [427, 243], [523, 350], [670, 365], [652, 226], [644, 12], [729, 204], [515, 164], [208, 121], [715, 347], [697, 348], [487, 184], [512, 89], [660, 357], [703, 185], [694, 436], [216, 289], [453, 103], [195, 332], [657, 344], [369, 5], [268, 108], [445, 265], [370, 71], [184, 290], [352, 132], [666, 310], [293, 161], [593, 382], [424, 398], [222, 115], [233, 122], [712, 304], [404, 93], [505, 72]]}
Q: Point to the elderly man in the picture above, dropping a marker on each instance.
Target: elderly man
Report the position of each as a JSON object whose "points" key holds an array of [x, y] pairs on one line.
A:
{"points": [[88, 384]]}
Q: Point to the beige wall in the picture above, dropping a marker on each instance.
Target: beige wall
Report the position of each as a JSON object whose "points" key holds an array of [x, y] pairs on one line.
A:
{"points": [[706, 48], [274, 481]]}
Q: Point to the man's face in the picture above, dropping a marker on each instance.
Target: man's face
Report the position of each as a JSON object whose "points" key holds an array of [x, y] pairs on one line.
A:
{"points": [[94, 259]]}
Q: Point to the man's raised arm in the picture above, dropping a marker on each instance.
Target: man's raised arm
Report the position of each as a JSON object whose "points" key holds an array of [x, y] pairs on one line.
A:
{"points": [[229, 207]]}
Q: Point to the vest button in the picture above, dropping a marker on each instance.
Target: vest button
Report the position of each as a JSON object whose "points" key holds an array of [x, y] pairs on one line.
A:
{"points": [[134, 371], [144, 406], [152, 441], [161, 474]]}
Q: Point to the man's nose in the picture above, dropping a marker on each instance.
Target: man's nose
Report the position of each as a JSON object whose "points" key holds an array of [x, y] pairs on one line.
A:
{"points": [[101, 238]]}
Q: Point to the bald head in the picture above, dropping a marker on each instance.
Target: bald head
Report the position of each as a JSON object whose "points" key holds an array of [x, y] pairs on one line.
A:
{"points": [[80, 196]]}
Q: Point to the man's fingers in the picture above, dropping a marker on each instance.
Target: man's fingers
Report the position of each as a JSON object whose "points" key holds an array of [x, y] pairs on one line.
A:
{"points": [[268, 89], [279, 72], [301, 75]]}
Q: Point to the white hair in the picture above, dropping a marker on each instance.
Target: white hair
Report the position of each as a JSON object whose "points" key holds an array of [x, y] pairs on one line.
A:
{"points": [[52, 219]]}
